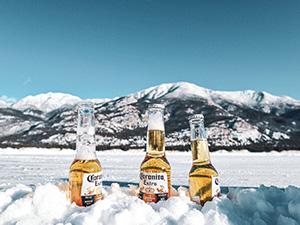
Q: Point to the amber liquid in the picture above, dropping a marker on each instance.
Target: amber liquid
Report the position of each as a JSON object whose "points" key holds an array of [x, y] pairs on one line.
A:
{"points": [[156, 142], [201, 173], [155, 160], [77, 169], [200, 151]]}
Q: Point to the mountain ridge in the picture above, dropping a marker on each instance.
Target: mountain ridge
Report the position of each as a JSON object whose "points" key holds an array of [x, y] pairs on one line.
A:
{"points": [[257, 121], [45, 102]]}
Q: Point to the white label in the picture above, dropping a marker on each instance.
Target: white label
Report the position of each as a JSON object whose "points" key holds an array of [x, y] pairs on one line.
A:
{"points": [[215, 186], [153, 183], [91, 184]]}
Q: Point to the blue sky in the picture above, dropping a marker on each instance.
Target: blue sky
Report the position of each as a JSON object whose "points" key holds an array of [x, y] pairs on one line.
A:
{"points": [[110, 48]]}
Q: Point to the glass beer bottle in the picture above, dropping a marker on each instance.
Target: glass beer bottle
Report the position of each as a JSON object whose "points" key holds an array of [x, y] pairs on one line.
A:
{"points": [[203, 177], [155, 170], [85, 174]]}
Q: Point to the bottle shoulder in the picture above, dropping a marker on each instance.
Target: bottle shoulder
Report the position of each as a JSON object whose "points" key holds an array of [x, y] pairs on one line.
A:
{"points": [[86, 165], [155, 162], [203, 170]]}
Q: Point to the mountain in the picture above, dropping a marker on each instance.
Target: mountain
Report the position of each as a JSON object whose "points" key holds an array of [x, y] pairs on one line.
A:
{"points": [[3, 104], [45, 103], [250, 120]]}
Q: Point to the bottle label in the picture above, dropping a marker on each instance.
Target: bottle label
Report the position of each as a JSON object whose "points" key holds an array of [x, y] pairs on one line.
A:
{"points": [[204, 189], [215, 187], [153, 187], [91, 190]]}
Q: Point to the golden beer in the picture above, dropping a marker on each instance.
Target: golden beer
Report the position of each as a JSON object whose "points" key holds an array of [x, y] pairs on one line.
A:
{"points": [[156, 142], [155, 170], [203, 177], [85, 173], [200, 151]]}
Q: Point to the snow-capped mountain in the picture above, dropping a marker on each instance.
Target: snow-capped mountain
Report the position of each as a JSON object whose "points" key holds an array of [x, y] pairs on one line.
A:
{"points": [[173, 90], [3, 104], [256, 121], [46, 102]]}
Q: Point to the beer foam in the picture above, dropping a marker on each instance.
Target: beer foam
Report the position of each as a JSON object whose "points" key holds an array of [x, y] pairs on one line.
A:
{"points": [[156, 123]]}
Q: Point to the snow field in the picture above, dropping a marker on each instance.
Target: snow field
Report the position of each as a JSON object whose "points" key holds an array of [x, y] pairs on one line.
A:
{"points": [[33, 190], [236, 169]]}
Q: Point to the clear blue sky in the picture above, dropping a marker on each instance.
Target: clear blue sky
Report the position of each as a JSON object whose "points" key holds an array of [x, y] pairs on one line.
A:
{"points": [[110, 48]]}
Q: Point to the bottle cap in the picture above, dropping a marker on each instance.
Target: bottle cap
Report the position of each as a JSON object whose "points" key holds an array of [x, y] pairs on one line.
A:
{"points": [[85, 107], [196, 117], [157, 106]]}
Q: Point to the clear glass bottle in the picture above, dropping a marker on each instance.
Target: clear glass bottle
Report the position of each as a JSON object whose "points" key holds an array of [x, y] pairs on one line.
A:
{"points": [[155, 170], [203, 177], [85, 173]]}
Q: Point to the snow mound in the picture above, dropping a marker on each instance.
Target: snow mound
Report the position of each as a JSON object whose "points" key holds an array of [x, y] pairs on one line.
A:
{"points": [[48, 204]]}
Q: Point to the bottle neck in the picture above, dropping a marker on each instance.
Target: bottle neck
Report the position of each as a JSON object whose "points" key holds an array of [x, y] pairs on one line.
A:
{"points": [[155, 143], [85, 141], [200, 151], [199, 145], [155, 133]]}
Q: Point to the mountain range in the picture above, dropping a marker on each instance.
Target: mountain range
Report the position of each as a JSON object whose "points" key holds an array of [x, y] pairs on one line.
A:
{"points": [[251, 120]]}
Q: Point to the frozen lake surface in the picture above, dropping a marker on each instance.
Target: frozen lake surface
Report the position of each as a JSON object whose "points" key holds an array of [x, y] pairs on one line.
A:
{"points": [[30, 191], [236, 169]]}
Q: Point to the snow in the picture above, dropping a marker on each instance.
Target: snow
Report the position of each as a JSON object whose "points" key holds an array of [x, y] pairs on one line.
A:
{"points": [[98, 100], [122, 114], [6, 101], [174, 90], [3, 104], [46, 102], [256, 189], [48, 204], [236, 169], [258, 100], [279, 135]]}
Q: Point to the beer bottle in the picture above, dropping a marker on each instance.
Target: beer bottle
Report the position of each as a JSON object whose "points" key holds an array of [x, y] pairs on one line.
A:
{"points": [[155, 170], [85, 181], [203, 177]]}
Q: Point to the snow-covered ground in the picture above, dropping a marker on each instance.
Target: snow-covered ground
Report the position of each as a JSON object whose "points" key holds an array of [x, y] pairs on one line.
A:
{"points": [[31, 193]]}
